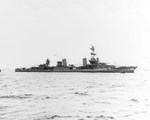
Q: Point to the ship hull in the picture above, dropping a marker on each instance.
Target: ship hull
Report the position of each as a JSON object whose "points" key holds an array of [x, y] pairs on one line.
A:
{"points": [[82, 71]]}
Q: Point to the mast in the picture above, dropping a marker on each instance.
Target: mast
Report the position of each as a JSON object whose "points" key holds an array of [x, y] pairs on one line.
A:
{"points": [[47, 62], [93, 60], [92, 52]]}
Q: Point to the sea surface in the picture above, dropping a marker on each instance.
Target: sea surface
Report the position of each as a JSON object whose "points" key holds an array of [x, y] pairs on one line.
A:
{"points": [[75, 96]]}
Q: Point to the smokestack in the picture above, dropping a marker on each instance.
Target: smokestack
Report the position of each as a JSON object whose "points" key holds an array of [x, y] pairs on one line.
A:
{"points": [[64, 62], [84, 62]]}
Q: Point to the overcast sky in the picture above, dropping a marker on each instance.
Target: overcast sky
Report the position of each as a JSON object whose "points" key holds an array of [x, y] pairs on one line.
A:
{"points": [[33, 30]]}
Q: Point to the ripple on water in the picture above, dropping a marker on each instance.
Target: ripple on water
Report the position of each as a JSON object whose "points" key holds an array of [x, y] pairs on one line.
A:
{"points": [[24, 96], [2, 108], [134, 100], [81, 93], [56, 117]]}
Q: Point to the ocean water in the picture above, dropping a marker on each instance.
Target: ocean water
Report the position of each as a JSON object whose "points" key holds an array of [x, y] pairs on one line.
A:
{"points": [[75, 96]]}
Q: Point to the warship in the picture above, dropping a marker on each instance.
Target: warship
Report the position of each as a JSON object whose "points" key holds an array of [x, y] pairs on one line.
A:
{"points": [[93, 66]]}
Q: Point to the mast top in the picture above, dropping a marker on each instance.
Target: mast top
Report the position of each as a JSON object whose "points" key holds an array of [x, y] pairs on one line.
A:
{"points": [[92, 48]]}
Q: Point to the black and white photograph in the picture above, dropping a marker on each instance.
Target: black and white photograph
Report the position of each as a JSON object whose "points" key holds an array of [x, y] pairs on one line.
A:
{"points": [[74, 60]]}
